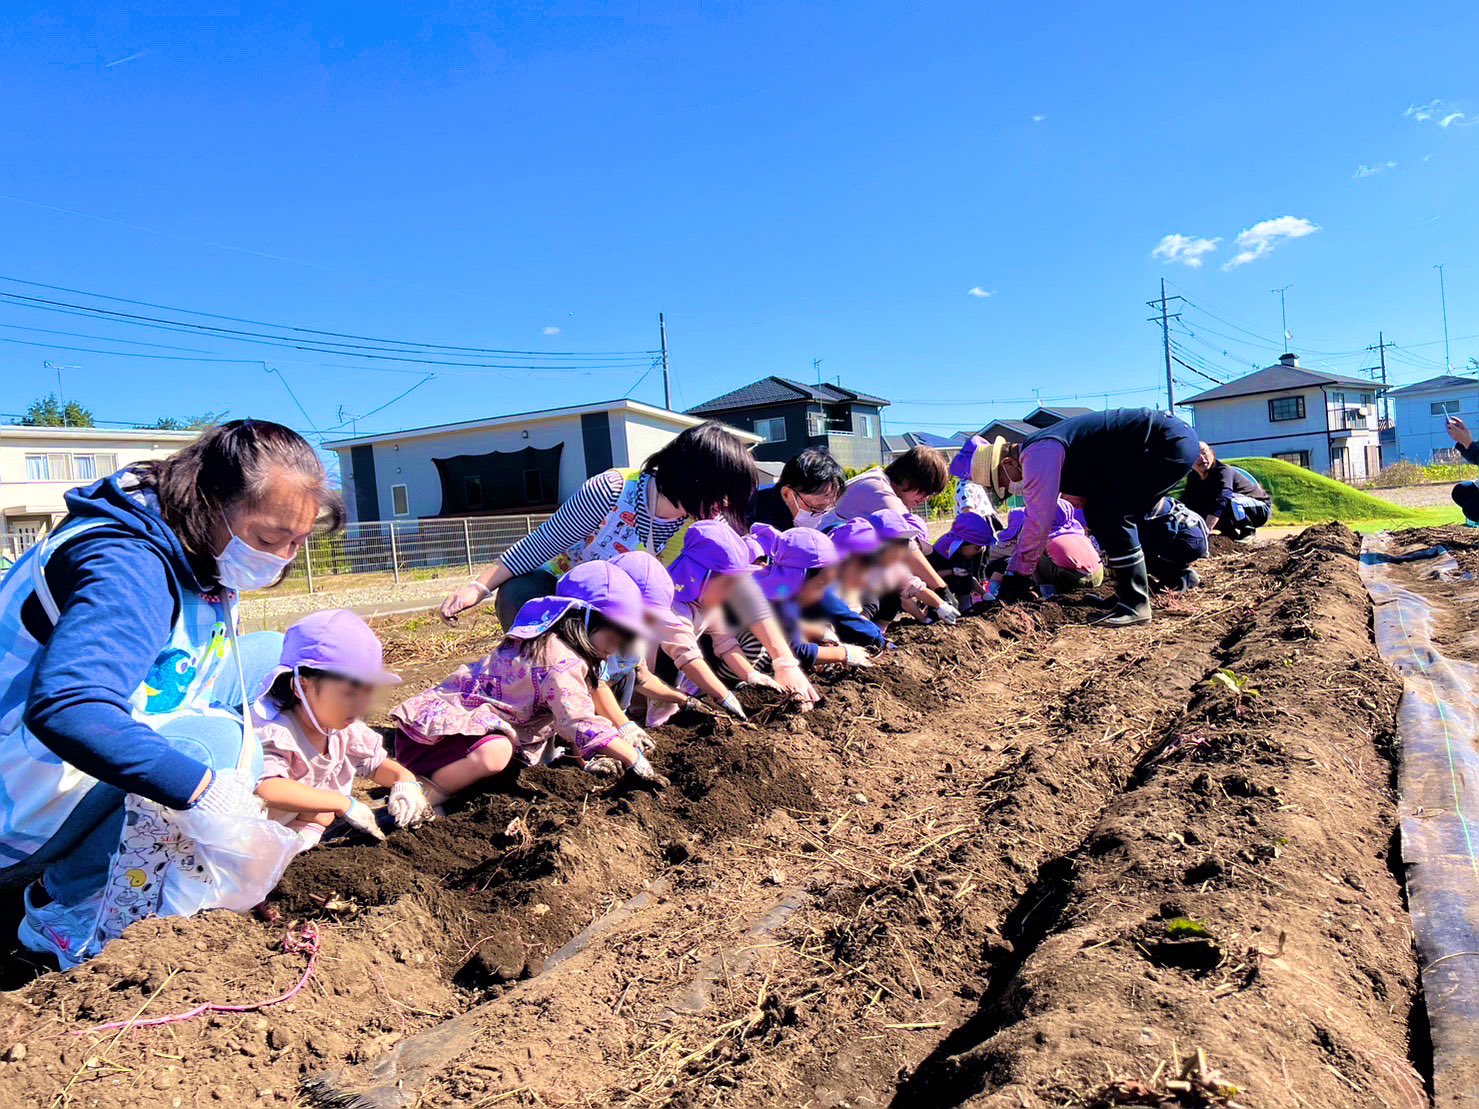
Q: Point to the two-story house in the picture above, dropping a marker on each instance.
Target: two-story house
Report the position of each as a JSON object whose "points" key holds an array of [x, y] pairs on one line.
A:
{"points": [[1015, 431], [39, 464], [789, 417], [1421, 413], [1319, 420]]}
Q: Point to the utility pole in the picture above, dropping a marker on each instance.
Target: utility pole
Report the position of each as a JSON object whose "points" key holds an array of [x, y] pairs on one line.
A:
{"points": [[667, 386], [1443, 297], [1283, 315], [816, 368], [1165, 321], [1381, 349]]}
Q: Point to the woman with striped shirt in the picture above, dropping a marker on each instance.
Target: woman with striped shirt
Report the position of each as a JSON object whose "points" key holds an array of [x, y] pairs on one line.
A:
{"points": [[705, 473]]}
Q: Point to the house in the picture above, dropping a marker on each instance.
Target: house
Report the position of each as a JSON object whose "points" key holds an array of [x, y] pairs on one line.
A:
{"points": [[39, 464], [524, 463], [1421, 411], [1015, 431], [1319, 420], [789, 417], [948, 445]]}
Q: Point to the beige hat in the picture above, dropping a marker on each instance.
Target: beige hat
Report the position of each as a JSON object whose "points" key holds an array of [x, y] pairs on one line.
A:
{"points": [[986, 466]]}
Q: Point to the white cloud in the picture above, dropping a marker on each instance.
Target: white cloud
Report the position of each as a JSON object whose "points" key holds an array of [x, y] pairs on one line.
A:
{"points": [[1364, 170], [977, 291], [1450, 119], [1038, 118], [1441, 112], [1422, 112], [1186, 249], [551, 330], [1258, 240]]}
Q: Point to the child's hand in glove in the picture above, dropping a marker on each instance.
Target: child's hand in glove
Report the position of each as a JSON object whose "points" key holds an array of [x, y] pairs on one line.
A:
{"points": [[948, 613], [830, 636], [637, 736], [856, 656], [408, 804], [606, 766], [359, 816], [764, 681], [643, 769]]}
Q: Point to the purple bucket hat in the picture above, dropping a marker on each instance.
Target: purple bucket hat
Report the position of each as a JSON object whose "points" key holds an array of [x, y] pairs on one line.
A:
{"points": [[891, 526], [969, 527], [601, 586], [855, 537], [335, 641], [652, 578], [796, 552], [921, 529], [709, 547], [757, 551], [960, 465]]}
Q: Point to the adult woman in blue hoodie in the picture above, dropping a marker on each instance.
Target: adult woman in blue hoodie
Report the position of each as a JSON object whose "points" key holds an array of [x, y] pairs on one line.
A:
{"points": [[121, 672]]}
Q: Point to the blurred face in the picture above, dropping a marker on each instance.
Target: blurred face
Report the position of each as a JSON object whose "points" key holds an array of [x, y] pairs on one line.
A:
{"points": [[853, 574], [336, 702], [891, 553], [969, 550], [718, 589], [280, 524], [612, 641], [1204, 461], [816, 585]]}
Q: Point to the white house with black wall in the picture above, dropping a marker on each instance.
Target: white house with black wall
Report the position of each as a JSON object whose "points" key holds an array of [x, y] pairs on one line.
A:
{"points": [[790, 416], [1421, 413], [1322, 421]]}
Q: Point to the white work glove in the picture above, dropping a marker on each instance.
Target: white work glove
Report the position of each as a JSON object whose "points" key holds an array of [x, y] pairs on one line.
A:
{"points": [[731, 705], [693, 704], [637, 736], [358, 815], [830, 636], [948, 613], [229, 794], [464, 598], [408, 804], [605, 766], [643, 769], [761, 680], [788, 673], [857, 656]]}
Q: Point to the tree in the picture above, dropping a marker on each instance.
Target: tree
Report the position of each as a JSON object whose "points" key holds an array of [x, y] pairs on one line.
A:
{"points": [[48, 411], [191, 423]]}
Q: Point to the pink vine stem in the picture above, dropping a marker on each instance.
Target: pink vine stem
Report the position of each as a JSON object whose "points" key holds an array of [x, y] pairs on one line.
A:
{"points": [[305, 943]]}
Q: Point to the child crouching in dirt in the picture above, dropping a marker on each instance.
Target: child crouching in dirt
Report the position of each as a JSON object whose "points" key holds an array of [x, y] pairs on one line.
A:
{"points": [[959, 557], [532, 692], [625, 675], [892, 587], [802, 567], [856, 542], [310, 720]]}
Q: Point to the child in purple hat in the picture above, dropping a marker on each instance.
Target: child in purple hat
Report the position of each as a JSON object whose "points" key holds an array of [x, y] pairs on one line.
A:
{"points": [[803, 566], [892, 586], [534, 690], [625, 675], [959, 557], [856, 541], [309, 716]]}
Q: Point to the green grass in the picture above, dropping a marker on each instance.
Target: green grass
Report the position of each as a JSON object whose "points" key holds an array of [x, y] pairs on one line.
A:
{"points": [[1301, 496]]}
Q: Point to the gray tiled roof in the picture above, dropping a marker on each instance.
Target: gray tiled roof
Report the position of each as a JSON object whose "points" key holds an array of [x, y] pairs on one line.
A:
{"points": [[782, 390], [1278, 378], [1442, 381]]}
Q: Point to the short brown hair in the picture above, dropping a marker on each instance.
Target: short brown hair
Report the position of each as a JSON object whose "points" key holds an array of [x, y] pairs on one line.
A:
{"points": [[919, 469]]}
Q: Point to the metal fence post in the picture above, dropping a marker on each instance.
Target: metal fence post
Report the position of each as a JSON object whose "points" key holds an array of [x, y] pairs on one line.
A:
{"points": [[308, 562], [528, 524], [395, 561], [467, 544]]}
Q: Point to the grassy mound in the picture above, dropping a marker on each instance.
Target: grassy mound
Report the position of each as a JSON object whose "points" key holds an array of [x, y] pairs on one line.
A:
{"points": [[1304, 497]]}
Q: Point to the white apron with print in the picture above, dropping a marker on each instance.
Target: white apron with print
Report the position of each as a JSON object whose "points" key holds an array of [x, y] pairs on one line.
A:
{"points": [[619, 534]]}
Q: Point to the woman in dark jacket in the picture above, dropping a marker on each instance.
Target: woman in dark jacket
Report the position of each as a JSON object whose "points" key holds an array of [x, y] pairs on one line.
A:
{"points": [[807, 491]]}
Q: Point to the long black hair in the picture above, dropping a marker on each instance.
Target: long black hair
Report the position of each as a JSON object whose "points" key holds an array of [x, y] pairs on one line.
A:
{"points": [[708, 472], [230, 465]]}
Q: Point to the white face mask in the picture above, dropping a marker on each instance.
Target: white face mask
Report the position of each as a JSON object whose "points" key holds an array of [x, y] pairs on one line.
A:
{"points": [[805, 519], [1014, 488], [241, 566]]}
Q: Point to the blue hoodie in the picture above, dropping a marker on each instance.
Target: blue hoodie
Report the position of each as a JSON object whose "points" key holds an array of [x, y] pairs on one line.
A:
{"points": [[118, 604]]}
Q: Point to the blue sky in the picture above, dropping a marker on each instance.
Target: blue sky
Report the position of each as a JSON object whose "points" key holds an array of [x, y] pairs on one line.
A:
{"points": [[786, 182]]}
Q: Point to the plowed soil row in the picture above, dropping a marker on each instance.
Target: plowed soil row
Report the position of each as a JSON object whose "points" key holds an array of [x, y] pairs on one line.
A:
{"points": [[955, 882]]}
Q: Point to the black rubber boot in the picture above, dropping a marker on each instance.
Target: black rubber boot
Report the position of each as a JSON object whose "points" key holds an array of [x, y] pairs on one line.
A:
{"points": [[1132, 596]]}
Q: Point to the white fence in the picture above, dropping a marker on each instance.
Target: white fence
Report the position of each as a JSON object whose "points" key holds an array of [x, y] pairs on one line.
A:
{"points": [[399, 547]]}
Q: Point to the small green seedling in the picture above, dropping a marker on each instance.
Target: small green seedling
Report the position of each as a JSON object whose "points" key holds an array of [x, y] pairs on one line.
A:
{"points": [[1239, 684], [1185, 928]]}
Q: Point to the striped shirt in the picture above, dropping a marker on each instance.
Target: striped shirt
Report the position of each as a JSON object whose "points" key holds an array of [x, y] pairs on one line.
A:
{"points": [[579, 518]]}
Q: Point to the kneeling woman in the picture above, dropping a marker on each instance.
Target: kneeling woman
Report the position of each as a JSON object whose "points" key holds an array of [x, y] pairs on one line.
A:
{"points": [[123, 675]]}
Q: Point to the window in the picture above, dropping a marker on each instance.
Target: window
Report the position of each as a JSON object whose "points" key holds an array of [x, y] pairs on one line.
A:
{"points": [[472, 492], [69, 467], [1286, 408], [533, 487], [771, 429], [865, 426], [1298, 458], [1355, 417], [816, 423], [400, 502], [1443, 408], [37, 467], [1368, 398]]}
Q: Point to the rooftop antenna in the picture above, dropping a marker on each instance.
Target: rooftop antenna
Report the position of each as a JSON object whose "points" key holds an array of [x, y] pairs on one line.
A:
{"points": [[1443, 297], [1284, 314], [816, 368], [61, 393]]}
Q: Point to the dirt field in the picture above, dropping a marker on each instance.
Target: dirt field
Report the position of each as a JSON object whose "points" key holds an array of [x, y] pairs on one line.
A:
{"points": [[1022, 863]]}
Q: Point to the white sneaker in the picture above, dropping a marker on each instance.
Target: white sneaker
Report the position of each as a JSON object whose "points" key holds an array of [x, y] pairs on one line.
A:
{"points": [[59, 930]]}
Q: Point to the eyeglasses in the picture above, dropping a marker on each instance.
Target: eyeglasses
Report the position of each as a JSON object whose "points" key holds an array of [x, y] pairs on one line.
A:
{"points": [[817, 503]]}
